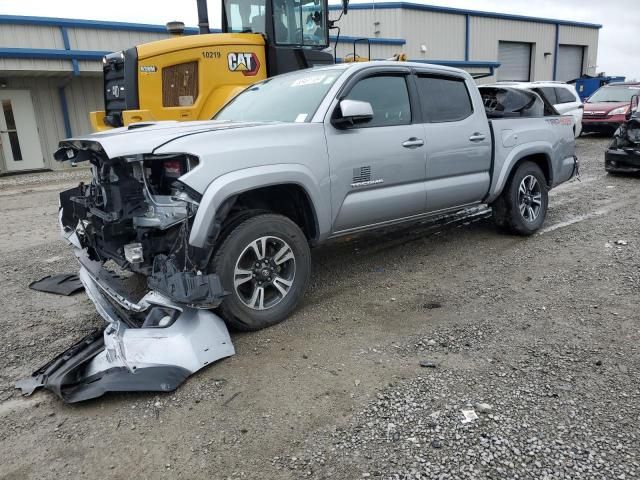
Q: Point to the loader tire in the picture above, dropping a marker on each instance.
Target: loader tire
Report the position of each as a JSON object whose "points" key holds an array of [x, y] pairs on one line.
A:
{"points": [[522, 206], [264, 264]]}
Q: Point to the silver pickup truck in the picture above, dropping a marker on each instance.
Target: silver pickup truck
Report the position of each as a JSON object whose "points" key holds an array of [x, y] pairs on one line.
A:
{"points": [[220, 215]]}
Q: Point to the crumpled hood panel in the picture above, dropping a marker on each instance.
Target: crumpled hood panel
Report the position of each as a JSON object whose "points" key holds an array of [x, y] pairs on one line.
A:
{"points": [[145, 137]]}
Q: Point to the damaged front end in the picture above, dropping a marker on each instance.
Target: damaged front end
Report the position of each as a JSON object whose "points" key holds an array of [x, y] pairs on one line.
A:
{"points": [[623, 153], [136, 214]]}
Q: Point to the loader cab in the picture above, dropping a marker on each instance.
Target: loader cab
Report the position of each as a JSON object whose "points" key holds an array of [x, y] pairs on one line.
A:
{"points": [[296, 31], [190, 77]]}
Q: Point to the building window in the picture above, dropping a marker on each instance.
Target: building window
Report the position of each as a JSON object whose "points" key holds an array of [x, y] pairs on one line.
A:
{"points": [[11, 130]]}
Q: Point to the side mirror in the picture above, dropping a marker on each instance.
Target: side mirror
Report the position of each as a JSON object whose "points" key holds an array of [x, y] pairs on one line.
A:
{"points": [[345, 6], [352, 113]]}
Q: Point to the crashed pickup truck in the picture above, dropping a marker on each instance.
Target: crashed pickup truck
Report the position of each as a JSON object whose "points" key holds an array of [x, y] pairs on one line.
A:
{"points": [[218, 216]]}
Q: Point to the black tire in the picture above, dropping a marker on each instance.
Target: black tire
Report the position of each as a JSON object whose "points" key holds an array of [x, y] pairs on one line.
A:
{"points": [[236, 243], [506, 209]]}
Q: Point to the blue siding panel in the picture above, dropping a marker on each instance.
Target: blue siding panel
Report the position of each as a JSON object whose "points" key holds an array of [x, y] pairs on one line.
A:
{"points": [[65, 112], [51, 53], [67, 46]]}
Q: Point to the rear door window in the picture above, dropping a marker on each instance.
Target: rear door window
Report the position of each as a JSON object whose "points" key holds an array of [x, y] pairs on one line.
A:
{"points": [[389, 99], [444, 99], [549, 93], [565, 96]]}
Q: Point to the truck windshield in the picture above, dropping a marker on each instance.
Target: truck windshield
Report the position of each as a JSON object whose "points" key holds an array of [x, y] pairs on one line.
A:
{"points": [[614, 94], [287, 98], [245, 15]]}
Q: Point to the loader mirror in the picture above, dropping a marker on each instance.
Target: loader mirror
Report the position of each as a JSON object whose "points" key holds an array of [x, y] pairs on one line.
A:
{"points": [[345, 6], [351, 113]]}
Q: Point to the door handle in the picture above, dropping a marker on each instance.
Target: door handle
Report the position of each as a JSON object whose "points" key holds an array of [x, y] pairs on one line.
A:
{"points": [[413, 142], [477, 137]]}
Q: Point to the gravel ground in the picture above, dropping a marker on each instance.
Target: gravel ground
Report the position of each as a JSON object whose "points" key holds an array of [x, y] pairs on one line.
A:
{"points": [[402, 330]]}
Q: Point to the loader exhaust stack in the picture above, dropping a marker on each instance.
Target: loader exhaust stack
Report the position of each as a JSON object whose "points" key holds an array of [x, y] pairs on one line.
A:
{"points": [[203, 17]]}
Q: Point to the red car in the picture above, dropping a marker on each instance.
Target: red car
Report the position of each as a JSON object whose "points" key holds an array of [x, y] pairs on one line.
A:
{"points": [[605, 110]]}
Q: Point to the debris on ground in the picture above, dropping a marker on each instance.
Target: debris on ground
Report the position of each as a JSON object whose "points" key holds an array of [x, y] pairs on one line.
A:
{"points": [[427, 364], [60, 284], [483, 407], [469, 415]]}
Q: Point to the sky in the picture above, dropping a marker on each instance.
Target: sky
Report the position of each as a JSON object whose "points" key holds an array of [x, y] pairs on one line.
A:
{"points": [[617, 53]]}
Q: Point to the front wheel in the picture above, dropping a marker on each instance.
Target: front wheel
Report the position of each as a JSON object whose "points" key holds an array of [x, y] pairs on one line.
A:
{"points": [[522, 206], [265, 264]]}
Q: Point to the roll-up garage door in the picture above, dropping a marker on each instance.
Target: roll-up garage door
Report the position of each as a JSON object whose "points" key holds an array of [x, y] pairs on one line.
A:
{"points": [[515, 61], [569, 62]]}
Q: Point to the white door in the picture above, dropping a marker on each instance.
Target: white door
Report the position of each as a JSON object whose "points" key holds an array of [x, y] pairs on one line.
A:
{"points": [[19, 131], [569, 103], [566, 101]]}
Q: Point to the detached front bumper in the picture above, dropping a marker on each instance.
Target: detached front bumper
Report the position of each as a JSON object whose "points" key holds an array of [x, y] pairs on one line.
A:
{"points": [[622, 161], [173, 342]]}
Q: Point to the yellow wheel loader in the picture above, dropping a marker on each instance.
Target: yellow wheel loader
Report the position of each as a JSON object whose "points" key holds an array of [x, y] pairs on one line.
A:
{"points": [[190, 77]]}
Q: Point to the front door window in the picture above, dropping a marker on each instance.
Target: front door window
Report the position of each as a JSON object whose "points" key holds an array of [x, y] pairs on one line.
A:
{"points": [[389, 99]]}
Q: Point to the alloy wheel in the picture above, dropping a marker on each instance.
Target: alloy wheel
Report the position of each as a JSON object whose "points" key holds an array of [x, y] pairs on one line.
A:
{"points": [[530, 198], [264, 273]]}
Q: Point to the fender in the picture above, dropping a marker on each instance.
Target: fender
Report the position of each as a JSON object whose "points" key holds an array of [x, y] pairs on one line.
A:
{"points": [[239, 181], [518, 153]]}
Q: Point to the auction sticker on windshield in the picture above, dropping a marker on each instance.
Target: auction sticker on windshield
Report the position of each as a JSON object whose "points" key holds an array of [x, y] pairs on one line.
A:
{"points": [[300, 82]]}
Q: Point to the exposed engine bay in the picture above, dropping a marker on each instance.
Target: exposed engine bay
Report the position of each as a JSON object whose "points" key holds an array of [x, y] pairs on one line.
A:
{"points": [[131, 206], [623, 154], [137, 214]]}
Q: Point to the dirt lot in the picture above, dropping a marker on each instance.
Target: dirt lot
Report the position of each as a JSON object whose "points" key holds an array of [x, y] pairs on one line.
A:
{"points": [[539, 335]]}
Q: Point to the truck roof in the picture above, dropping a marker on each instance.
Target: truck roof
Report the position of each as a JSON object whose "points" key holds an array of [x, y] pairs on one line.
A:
{"points": [[389, 63]]}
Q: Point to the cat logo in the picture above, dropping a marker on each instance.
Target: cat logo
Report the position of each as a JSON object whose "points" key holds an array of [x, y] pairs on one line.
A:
{"points": [[247, 63]]}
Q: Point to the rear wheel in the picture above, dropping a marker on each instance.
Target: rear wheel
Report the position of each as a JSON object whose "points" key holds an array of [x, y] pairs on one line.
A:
{"points": [[265, 264], [522, 206]]}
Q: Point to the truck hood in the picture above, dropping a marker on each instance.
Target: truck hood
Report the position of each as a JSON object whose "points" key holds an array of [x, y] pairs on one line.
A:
{"points": [[145, 137]]}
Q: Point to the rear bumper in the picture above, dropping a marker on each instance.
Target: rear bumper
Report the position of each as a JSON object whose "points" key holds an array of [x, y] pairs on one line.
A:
{"points": [[569, 168], [622, 161], [128, 355]]}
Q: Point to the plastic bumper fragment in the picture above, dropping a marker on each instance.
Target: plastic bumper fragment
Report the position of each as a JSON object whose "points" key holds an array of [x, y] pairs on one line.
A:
{"points": [[173, 342]]}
